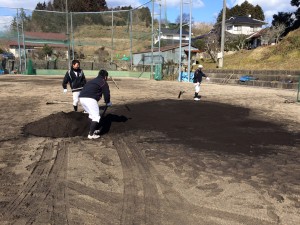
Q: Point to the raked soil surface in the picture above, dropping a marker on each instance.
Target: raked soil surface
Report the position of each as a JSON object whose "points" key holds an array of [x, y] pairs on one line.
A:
{"points": [[231, 158]]}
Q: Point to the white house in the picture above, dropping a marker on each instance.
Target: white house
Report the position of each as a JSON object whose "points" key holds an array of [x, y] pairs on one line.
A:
{"points": [[243, 25], [172, 36], [166, 54]]}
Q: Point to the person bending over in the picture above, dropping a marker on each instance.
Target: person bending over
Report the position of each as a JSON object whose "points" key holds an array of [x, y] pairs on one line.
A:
{"points": [[89, 97]]}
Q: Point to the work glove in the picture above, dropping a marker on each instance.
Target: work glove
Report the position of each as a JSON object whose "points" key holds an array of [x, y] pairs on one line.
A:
{"points": [[65, 91], [109, 104]]}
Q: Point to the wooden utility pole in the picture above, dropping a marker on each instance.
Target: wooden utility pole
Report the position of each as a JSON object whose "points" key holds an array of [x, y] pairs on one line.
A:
{"points": [[221, 58]]}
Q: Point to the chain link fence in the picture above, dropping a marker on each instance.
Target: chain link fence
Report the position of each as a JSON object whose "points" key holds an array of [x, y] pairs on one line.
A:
{"points": [[51, 39]]}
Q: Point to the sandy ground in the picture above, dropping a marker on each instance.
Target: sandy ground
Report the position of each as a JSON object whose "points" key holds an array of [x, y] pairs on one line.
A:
{"points": [[171, 161]]}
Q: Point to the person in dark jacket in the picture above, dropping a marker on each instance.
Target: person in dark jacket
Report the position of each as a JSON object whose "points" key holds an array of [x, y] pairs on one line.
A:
{"points": [[197, 81], [75, 77], [89, 97]]}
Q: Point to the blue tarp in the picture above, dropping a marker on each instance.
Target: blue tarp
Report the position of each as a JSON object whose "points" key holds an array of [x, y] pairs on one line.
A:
{"points": [[184, 77], [246, 78]]}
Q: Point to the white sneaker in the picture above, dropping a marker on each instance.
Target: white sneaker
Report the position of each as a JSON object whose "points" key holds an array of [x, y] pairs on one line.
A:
{"points": [[94, 136], [196, 99]]}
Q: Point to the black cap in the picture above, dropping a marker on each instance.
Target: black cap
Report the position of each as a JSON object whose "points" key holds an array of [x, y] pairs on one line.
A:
{"points": [[103, 73]]}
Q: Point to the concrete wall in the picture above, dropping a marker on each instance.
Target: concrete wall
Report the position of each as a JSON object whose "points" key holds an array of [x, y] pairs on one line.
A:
{"points": [[287, 79]]}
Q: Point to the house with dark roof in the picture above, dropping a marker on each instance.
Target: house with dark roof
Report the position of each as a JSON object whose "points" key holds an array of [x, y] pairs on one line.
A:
{"points": [[256, 39], [172, 36], [243, 25], [238, 25]]}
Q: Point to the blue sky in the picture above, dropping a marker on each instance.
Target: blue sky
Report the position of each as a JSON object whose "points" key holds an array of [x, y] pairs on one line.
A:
{"points": [[203, 10]]}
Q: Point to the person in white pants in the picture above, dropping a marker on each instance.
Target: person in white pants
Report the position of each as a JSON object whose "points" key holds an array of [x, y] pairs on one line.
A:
{"points": [[75, 77], [89, 97], [197, 81]]}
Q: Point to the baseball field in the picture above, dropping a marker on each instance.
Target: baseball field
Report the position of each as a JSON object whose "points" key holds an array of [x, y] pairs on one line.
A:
{"points": [[231, 158]]}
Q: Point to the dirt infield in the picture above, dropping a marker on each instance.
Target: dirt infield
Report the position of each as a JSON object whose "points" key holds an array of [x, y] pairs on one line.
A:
{"points": [[231, 158]]}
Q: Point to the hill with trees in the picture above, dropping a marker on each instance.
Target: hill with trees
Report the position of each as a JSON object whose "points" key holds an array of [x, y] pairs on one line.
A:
{"points": [[291, 20], [245, 9], [283, 56]]}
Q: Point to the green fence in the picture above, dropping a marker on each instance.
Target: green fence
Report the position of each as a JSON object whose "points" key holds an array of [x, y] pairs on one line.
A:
{"points": [[158, 72], [95, 73]]}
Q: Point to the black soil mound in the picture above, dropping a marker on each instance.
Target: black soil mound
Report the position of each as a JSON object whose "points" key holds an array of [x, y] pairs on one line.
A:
{"points": [[202, 125], [60, 125]]}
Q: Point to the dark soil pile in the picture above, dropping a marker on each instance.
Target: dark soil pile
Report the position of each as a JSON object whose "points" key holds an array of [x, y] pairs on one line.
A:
{"points": [[60, 125]]}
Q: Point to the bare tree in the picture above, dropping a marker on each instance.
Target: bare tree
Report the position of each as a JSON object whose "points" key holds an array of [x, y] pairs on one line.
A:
{"points": [[278, 29], [235, 41], [212, 44], [274, 33], [201, 28]]}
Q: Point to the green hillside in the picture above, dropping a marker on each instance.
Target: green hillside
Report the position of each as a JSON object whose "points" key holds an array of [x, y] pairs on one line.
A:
{"points": [[284, 56]]}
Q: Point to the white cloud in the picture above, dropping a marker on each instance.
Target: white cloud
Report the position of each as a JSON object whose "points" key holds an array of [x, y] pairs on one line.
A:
{"points": [[114, 3], [170, 3], [269, 6], [5, 22], [30, 4]]}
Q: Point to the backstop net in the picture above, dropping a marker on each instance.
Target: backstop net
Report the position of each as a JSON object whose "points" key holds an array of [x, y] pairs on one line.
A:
{"points": [[51, 39]]}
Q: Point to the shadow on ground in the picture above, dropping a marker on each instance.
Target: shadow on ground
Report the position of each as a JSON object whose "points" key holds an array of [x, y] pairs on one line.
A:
{"points": [[201, 125]]}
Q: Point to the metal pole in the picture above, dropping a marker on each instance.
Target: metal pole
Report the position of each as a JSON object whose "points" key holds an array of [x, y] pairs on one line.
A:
{"points": [[72, 37], [112, 36], [222, 35], [18, 32], [190, 38], [24, 47], [68, 35], [180, 40], [159, 28], [152, 32], [131, 40], [166, 19]]}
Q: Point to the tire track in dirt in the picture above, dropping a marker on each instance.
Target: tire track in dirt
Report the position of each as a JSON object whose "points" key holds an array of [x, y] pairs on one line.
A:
{"points": [[44, 191], [95, 196], [145, 188], [141, 198]]}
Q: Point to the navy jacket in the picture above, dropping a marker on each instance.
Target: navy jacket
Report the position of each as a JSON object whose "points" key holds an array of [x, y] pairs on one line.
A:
{"points": [[95, 88], [76, 82], [198, 76]]}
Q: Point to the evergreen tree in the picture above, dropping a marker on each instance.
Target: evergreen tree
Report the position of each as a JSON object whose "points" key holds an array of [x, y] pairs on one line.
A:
{"points": [[41, 6], [58, 5], [297, 13], [287, 19], [145, 15], [283, 18], [220, 15], [87, 6], [49, 6], [245, 9], [258, 13]]}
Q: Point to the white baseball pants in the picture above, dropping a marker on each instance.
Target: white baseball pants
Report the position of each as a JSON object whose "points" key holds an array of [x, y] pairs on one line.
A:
{"points": [[91, 106], [197, 87], [75, 97]]}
